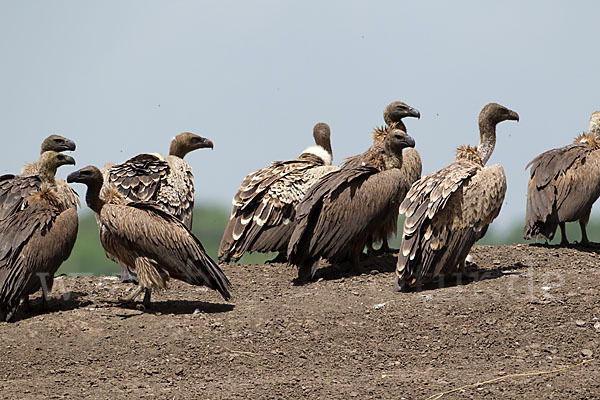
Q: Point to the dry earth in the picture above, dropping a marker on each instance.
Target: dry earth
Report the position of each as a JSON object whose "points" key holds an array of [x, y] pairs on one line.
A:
{"points": [[524, 309]]}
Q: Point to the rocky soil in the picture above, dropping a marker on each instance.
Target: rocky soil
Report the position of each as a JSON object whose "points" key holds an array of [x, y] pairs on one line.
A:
{"points": [[522, 310]]}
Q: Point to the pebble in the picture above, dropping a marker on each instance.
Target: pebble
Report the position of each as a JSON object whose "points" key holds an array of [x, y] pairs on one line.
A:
{"points": [[378, 306], [597, 326], [587, 353], [580, 322]]}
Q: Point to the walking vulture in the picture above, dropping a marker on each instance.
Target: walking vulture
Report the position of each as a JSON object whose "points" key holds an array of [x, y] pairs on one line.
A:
{"points": [[16, 189], [35, 240], [147, 240], [340, 212], [167, 181], [563, 185], [264, 207], [449, 210], [411, 167]]}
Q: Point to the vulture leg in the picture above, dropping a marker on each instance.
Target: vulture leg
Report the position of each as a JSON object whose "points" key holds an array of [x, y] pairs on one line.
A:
{"points": [[147, 294], [563, 234], [400, 286], [134, 295], [582, 224], [386, 249], [127, 276], [280, 258]]}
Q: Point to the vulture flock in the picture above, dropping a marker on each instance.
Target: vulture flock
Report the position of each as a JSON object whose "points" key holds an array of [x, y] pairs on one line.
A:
{"points": [[304, 209]]}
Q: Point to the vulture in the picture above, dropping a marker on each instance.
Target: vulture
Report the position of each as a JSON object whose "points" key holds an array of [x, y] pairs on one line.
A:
{"points": [[411, 167], [148, 240], [35, 240], [339, 214], [16, 189], [449, 210], [563, 185], [264, 207], [166, 181]]}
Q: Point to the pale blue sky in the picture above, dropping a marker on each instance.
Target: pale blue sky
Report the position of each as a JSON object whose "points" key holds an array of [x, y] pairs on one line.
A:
{"points": [[123, 77]]}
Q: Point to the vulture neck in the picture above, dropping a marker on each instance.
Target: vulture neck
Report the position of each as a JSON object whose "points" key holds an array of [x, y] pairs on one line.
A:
{"points": [[92, 198], [399, 124], [487, 139], [46, 174], [177, 150]]}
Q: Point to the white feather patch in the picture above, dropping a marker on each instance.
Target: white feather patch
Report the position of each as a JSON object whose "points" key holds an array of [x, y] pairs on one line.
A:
{"points": [[319, 152]]}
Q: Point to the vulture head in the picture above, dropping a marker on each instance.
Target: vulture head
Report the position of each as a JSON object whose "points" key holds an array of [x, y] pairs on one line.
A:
{"points": [[494, 113], [90, 176], [595, 123], [186, 142], [322, 133], [50, 161], [57, 143], [397, 110], [396, 141]]}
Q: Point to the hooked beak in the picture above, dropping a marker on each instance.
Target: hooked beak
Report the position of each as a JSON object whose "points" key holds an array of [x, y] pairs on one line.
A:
{"points": [[70, 145], [408, 141], [73, 176], [514, 116], [413, 112]]}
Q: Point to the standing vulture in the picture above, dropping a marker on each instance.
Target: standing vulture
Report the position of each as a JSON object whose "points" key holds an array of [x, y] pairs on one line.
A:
{"points": [[264, 207], [35, 240], [16, 189], [563, 185], [340, 212], [449, 210], [167, 181], [411, 167], [147, 240]]}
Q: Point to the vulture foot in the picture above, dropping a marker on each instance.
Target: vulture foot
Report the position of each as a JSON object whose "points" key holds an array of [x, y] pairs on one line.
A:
{"points": [[400, 286], [147, 294], [134, 295]]}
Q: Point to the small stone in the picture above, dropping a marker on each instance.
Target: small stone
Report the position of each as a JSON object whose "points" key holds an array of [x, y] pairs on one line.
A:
{"points": [[587, 353], [597, 326], [580, 322], [197, 311], [378, 306]]}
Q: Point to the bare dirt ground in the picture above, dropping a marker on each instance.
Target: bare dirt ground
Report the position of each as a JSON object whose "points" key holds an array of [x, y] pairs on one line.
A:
{"points": [[524, 309]]}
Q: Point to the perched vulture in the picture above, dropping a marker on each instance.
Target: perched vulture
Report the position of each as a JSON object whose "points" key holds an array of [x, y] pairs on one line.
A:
{"points": [[147, 240], [340, 212], [411, 167], [166, 181], [449, 210], [35, 240], [16, 189], [563, 186], [264, 207]]}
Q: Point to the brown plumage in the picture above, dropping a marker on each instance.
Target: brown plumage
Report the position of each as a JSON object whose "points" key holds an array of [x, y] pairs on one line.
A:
{"points": [[35, 239], [147, 240], [393, 115], [449, 210], [16, 189], [340, 212], [563, 185], [264, 207], [168, 181]]}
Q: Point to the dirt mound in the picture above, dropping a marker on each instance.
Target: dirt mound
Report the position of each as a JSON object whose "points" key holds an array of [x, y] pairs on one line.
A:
{"points": [[522, 309]]}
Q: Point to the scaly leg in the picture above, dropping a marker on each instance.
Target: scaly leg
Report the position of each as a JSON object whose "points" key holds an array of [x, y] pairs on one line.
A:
{"points": [[563, 234], [146, 301], [582, 224]]}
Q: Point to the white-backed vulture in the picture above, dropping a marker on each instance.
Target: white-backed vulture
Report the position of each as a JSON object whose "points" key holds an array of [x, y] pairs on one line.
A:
{"points": [[35, 240], [167, 181], [411, 167], [563, 185], [264, 206], [147, 240], [341, 211], [449, 210], [16, 189]]}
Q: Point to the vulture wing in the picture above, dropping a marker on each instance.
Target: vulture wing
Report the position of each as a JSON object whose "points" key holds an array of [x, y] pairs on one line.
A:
{"points": [[139, 178], [562, 187], [332, 219], [145, 230], [15, 191], [35, 242], [446, 213], [264, 206]]}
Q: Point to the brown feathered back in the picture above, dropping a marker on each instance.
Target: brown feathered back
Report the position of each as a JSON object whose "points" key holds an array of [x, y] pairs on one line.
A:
{"points": [[263, 213]]}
